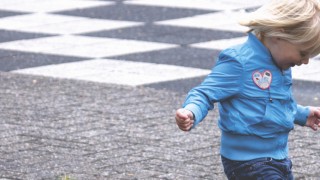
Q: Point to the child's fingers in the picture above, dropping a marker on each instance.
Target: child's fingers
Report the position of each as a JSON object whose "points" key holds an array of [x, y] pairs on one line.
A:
{"points": [[181, 114], [184, 119], [315, 127], [187, 126], [316, 124], [316, 112]]}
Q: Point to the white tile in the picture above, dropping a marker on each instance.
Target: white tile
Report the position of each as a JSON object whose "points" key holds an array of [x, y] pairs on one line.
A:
{"points": [[116, 72], [48, 5], [217, 21], [111, 47], [48, 43], [220, 44], [82, 46], [59, 24], [30, 20], [82, 26], [201, 4], [309, 72]]}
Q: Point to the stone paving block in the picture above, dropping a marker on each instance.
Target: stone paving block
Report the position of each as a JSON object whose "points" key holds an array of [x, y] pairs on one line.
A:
{"points": [[9, 175], [135, 173]]}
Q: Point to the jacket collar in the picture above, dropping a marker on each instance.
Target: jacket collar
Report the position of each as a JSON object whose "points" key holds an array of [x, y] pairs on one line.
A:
{"points": [[258, 46]]}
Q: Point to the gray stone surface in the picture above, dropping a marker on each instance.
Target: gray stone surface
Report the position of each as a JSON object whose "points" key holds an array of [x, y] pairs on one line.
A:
{"points": [[51, 128]]}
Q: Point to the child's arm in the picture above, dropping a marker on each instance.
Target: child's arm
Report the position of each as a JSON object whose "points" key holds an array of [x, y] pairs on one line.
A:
{"points": [[224, 81], [184, 119], [313, 120]]}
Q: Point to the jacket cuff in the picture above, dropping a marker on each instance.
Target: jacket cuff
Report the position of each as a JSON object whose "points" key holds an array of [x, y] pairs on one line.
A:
{"points": [[302, 115], [197, 114]]}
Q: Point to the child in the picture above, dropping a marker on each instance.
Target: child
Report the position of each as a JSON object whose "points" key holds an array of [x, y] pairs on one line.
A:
{"points": [[252, 84]]}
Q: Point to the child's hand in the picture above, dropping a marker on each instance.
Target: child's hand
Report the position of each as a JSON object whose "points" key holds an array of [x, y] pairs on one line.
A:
{"points": [[313, 120], [184, 119]]}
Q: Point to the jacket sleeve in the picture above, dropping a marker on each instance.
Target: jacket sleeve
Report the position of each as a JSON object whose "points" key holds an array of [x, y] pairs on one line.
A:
{"points": [[301, 115], [223, 82]]}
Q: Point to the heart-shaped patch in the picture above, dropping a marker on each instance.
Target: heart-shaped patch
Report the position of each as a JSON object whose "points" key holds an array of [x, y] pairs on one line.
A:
{"points": [[262, 80]]}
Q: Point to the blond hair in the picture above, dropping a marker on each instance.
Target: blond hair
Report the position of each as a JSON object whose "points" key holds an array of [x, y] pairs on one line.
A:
{"points": [[297, 21]]}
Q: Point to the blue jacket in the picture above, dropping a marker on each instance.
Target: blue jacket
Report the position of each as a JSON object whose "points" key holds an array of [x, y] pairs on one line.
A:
{"points": [[256, 107]]}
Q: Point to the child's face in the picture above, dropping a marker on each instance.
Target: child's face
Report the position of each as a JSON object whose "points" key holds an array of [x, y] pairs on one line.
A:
{"points": [[286, 54]]}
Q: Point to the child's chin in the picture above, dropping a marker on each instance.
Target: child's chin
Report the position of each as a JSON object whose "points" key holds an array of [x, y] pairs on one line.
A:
{"points": [[287, 67]]}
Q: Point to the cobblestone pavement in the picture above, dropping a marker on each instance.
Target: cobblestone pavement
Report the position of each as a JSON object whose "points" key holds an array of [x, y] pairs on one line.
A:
{"points": [[88, 89], [53, 128], [86, 130]]}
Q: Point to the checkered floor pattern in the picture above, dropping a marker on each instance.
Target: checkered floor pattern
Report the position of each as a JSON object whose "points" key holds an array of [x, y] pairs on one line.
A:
{"points": [[127, 42]]}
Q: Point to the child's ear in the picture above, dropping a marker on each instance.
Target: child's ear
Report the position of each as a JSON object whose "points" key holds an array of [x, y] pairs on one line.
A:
{"points": [[275, 39], [281, 30]]}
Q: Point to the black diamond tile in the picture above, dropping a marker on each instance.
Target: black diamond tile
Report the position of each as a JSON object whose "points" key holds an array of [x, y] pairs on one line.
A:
{"points": [[252, 9], [181, 56], [6, 35], [181, 86], [118, 1], [166, 34], [13, 60], [125, 12], [9, 13], [307, 92]]}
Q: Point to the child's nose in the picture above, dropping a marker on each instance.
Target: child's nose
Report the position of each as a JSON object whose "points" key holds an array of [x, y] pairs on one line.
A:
{"points": [[305, 61]]}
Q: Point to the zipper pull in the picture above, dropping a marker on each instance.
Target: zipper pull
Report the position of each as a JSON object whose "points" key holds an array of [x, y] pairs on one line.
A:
{"points": [[270, 98]]}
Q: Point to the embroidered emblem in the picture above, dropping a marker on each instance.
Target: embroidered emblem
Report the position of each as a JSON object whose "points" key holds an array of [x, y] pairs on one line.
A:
{"points": [[262, 80]]}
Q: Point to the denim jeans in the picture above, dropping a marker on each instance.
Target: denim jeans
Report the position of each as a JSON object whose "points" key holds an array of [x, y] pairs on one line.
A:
{"points": [[258, 169]]}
